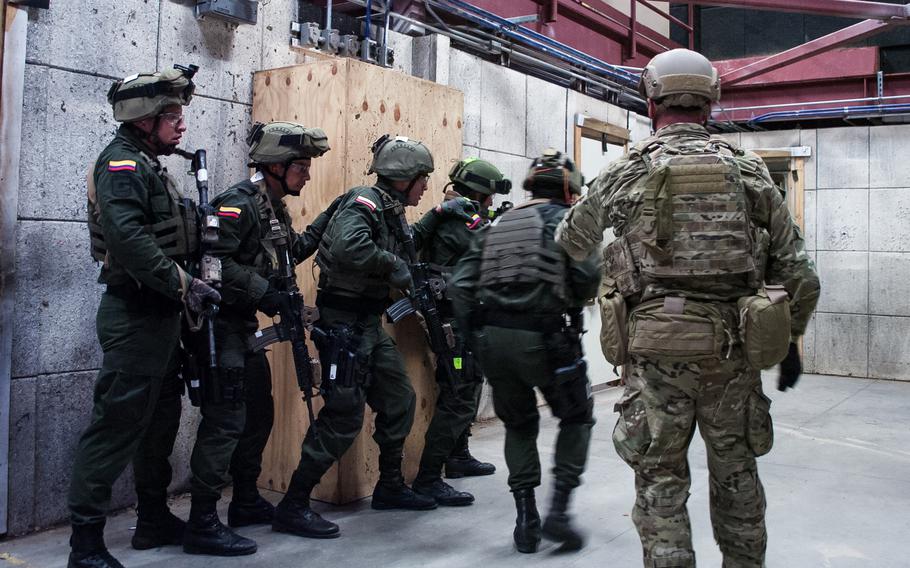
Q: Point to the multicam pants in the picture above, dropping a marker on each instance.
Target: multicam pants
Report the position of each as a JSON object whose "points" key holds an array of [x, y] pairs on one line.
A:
{"points": [[662, 404]]}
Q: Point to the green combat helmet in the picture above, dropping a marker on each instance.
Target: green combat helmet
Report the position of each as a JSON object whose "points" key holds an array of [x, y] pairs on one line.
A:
{"points": [[400, 158], [554, 170], [473, 174], [283, 142], [680, 78], [145, 95]]}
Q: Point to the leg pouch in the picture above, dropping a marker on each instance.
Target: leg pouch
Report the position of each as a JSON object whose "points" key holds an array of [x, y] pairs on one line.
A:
{"points": [[759, 428], [614, 338]]}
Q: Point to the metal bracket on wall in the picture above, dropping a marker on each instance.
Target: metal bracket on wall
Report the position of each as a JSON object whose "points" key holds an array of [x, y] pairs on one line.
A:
{"points": [[234, 11]]}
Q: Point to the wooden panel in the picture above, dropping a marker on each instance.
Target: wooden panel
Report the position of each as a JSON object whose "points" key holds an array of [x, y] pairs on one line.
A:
{"points": [[354, 103]]}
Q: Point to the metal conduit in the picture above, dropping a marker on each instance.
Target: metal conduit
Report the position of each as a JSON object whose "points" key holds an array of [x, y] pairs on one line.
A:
{"points": [[840, 112], [811, 103]]}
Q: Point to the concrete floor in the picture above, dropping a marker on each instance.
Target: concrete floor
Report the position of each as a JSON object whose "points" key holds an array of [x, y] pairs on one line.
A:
{"points": [[837, 482]]}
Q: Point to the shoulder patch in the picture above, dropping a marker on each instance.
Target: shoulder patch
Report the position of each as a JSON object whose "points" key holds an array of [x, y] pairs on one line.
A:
{"points": [[365, 201], [474, 222], [121, 166], [229, 212]]}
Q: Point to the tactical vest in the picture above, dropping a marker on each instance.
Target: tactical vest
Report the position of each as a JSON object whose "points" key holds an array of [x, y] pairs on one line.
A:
{"points": [[694, 220], [332, 275], [515, 254], [176, 236]]}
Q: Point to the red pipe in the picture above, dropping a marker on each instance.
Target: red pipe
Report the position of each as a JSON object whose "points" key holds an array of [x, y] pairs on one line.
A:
{"points": [[858, 9]]}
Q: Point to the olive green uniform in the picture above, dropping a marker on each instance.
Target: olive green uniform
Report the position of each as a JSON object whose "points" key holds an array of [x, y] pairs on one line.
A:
{"points": [[233, 433], [356, 256], [443, 242], [136, 410], [665, 397], [522, 340]]}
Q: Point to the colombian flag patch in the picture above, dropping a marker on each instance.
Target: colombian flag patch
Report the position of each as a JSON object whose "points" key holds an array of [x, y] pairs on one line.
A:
{"points": [[474, 222], [229, 212], [121, 166], [364, 201]]}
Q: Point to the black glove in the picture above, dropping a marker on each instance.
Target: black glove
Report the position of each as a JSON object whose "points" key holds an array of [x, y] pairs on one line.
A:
{"points": [[270, 302], [790, 369], [400, 278], [459, 208], [200, 294]]}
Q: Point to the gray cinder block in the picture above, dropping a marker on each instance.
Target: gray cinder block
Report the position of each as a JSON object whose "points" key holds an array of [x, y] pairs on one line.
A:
{"points": [[889, 219], [276, 18], [503, 100], [464, 75], [843, 157], [889, 352], [889, 283], [56, 299], [843, 219], [810, 219], [810, 138], [844, 276], [21, 503], [842, 344], [546, 109], [513, 167], [888, 166], [770, 139], [430, 57]]}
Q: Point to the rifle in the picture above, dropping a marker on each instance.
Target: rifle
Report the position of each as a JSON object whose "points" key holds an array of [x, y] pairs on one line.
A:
{"points": [[428, 290], [294, 318], [208, 269]]}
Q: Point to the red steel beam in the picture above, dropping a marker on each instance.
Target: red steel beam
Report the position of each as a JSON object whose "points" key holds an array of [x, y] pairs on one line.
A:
{"points": [[858, 9], [849, 34]]}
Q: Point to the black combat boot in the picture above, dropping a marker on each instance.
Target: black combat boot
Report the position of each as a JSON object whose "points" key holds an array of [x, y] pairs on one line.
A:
{"points": [[88, 550], [206, 534], [294, 515], [248, 507], [461, 463], [527, 522], [391, 492], [558, 524], [156, 526], [443, 493]]}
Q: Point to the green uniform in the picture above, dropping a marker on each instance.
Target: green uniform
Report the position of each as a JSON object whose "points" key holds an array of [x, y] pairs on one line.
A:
{"points": [[237, 420], [356, 256], [666, 397], [136, 410], [442, 243], [523, 339]]}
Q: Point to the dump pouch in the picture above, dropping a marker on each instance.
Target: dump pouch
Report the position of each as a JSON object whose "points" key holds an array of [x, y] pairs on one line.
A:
{"points": [[677, 329], [764, 327], [614, 322]]}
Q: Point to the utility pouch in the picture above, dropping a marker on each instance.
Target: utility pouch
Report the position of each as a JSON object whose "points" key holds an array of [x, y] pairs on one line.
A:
{"points": [[759, 428], [338, 356], [619, 265], [764, 327], [677, 329], [614, 321], [761, 243]]}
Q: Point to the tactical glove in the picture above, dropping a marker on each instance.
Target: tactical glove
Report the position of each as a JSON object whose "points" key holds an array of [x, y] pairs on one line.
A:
{"points": [[400, 278], [199, 294], [790, 369], [459, 208], [269, 303]]}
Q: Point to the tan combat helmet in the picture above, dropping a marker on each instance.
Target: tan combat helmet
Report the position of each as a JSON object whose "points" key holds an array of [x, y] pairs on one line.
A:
{"points": [[145, 95], [680, 78], [401, 159], [283, 142]]}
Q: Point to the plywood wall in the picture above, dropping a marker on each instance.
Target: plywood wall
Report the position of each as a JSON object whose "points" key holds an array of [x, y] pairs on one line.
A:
{"points": [[354, 103]]}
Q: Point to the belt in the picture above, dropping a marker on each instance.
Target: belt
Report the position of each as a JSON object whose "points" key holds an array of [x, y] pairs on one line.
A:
{"points": [[354, 304], [544, 323]]}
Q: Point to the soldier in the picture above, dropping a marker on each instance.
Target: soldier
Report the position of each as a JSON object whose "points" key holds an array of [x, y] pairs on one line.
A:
{"points": [[138, 231], [444, 240], [701, 229], [523, 295], [238, 411], [358, 268]]}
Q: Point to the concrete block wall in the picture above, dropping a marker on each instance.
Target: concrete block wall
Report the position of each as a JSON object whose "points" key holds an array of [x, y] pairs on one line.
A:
{"points": [[857, 216]]}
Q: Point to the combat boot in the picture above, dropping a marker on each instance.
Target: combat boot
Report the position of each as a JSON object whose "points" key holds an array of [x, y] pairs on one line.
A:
{"points": [[248, 507], [440, 491], [206, 534], [461, 463], [527, 522], [88, 550], [294, 515], [391, 492], [156, 526], [558, 524]]}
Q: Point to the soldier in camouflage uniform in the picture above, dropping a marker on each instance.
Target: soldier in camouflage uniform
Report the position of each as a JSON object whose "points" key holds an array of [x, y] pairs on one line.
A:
{"points": [[138, 231], [359, 266], [238, 411], [443, 241], [702, 230], [523, 295]]}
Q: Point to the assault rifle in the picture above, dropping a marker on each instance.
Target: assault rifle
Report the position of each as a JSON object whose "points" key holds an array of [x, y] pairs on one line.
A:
{"points": [[294, 318], [428, 291], [207, 268]]}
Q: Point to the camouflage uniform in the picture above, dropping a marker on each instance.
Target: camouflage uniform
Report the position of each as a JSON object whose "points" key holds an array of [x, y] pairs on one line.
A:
{"points": [[665, 399]]}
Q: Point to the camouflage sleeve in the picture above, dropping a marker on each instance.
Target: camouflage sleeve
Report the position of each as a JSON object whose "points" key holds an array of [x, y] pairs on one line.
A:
{"points": [[307, 244], [582, 229], [462, 287], [123, 198], [352, 230], [788, 262], [241, 285]]}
